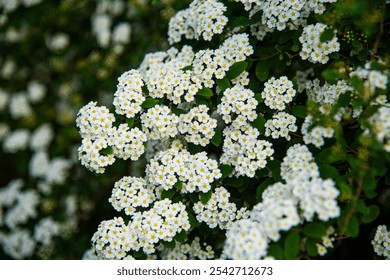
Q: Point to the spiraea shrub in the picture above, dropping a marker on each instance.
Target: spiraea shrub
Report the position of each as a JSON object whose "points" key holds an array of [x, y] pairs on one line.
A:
{"points": [[262, 131]]}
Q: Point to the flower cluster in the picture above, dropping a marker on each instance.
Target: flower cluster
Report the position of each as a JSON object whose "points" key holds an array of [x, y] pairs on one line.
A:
{"points": [[280, 125], [159, 123], [19, 244], [218, 211], [373, 79], [242, 150], [278, 92], [203, 18], [96, 127], [381, 242], [237, 101], [45, 230], [326, 241], [129, 193], [128, 96], [177, 166], [315, 195], [197, 126], [189, 251], [245, 241], [380, 126], [316, 134], [312, 48], [161, 223]]}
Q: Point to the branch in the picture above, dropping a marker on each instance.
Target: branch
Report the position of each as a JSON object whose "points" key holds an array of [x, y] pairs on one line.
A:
{"points": [[378, 37]]}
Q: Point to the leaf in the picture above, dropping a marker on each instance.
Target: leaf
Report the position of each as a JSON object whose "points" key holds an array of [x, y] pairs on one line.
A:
{"points": [[169, 245], [274, 165], [181, 237], [314, 230], [276, 251], [107, 151], [262, 70], [223, 84], [328, 171], [205, 92], [369, 181], [192, 220], [226, 170], [205, 197], [217, 138], [327, 35], [178, 185], [299, 111], [240, 22], [353, 226], [291, 246], [149, 103], [311, 248], [259, 123], [371, 215], [233, 182], [236, 69], [168, 193], [130, 122], [260, 189], [295, 48]]}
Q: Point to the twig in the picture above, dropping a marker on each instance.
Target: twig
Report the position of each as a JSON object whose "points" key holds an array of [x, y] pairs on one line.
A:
{"points": [[378, 37]]}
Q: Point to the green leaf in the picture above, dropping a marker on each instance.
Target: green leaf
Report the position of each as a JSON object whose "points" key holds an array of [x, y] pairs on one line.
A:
{"points": [[276, 251], [262, 70], [369, 181], [178, 185], [274, 165], [353, 226], [314, 230], [205, 92], [169, 245], [240, 22], [217, 138], [168, 193], [371, 215], [188, 67], [223, 84], [205, 197], [327, 35], [130, 122], [107, 151], [361, 206], [291, 246], [311, 248], [192, 220], [226, 170], [299, 111], [260, 189], [236, 69], [295, 48], [181, 237], [328, 171], [233, 182], [259, 98], [259, 123], [149, 103]]}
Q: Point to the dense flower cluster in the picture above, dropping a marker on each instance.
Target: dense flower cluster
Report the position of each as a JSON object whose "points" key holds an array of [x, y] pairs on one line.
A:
{"points": [[237, 101], [202, 19], [326, 241], [197, 126], [130, 193], [280, 125], [380, 126], [114, 239], [177, 166], [218, 211], [242, 150], [312, 48], [278, 92], [315, 135], [381, 242], [128, 97], [373, 79], [245, 241], [189, 251], [159, 123]]}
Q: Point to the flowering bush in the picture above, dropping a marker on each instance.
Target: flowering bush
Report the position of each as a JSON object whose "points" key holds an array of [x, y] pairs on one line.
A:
{"points": [[262, 132], [55, 56]]}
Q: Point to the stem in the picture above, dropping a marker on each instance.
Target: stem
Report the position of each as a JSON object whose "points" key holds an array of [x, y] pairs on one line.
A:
{"points": [[378, 37], [351, 211]]}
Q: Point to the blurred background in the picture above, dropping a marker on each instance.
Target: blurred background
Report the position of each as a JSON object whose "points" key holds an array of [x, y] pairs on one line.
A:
{"points": [[55, 57]]}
